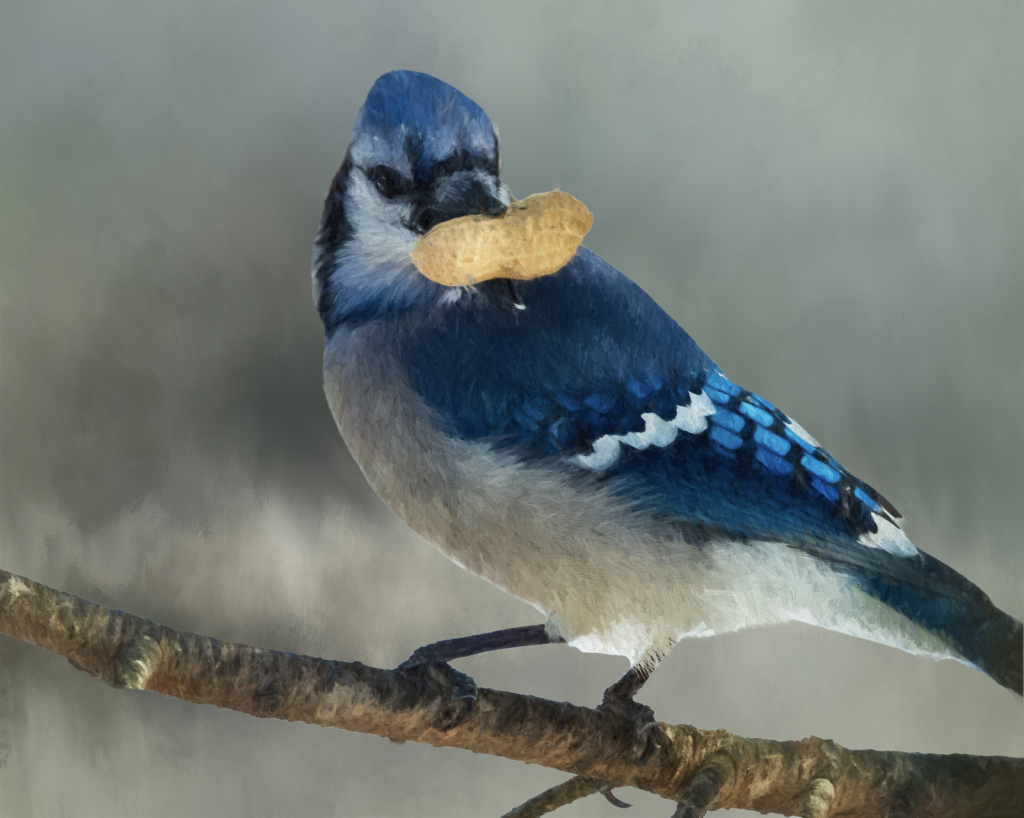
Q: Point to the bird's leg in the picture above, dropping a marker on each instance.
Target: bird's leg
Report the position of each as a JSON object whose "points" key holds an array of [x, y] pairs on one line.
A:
{"points": [[618, 701], [619, 697], [449, 649], [435, 656]]}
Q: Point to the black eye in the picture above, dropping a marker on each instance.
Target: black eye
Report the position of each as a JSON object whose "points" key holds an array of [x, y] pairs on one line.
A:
{"points": [[388, 181]]}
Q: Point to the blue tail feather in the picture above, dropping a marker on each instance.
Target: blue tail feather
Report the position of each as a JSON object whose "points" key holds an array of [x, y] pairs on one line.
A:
{"points": [[943, 602]]}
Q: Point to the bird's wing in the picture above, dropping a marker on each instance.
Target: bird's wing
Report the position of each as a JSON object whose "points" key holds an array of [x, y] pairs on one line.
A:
{"points": [[582, 371]]}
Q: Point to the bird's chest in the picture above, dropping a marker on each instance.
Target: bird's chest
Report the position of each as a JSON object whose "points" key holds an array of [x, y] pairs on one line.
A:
{"points": [[570, 547], [442, 487], [487, 511], [388, 429]]}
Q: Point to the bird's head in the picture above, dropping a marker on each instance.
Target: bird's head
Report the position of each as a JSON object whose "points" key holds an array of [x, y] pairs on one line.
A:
{"points": [[422, 153]]}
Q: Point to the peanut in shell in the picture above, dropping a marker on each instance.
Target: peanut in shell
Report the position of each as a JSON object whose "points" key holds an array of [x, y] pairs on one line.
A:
{"points": [[533, 238]]}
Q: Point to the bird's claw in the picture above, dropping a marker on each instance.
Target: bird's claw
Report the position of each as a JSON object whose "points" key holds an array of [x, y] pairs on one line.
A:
{"points": [[641, 715], [640, 720], [441, 675]]}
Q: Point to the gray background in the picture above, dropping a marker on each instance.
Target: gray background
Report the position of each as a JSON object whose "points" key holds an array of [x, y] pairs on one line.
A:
{"points": [[828, 197]]}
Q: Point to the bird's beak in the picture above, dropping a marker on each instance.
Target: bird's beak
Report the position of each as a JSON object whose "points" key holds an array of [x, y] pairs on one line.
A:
{"points": [[532, 238], [463, 193]]}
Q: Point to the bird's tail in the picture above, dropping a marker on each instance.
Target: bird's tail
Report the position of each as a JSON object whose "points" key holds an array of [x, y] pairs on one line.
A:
{"points": [[947, 605]]}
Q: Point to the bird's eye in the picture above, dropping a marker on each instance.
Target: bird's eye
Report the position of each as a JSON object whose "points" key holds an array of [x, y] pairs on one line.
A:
{"points": [[388, 181]]}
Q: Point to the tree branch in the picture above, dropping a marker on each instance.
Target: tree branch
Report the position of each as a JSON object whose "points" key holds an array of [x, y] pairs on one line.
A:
{"points": [[436, 705]]}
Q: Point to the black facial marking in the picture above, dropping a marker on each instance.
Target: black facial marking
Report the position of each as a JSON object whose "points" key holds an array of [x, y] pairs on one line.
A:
{"points": [[450, 196], [464, 160], [388, 181], [335, 230], [451, 164]]}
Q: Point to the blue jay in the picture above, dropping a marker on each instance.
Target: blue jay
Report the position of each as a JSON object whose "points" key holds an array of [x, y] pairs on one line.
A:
{"points": [[565, 439]]}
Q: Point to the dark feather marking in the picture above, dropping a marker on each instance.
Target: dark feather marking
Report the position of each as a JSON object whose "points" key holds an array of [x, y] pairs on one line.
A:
{"points": [[335, 231]]}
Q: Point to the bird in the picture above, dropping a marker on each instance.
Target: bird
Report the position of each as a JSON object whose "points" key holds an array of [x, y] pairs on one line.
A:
{"points": [[564, 438]]}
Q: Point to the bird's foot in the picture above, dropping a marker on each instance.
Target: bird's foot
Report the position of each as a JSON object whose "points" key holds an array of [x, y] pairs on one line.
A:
{"points": [[629, 710], [417, 658], [639, 720], [441, 677]]}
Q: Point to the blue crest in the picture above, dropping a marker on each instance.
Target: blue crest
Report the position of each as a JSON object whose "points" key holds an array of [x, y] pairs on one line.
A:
{"points": [[434, 120]]}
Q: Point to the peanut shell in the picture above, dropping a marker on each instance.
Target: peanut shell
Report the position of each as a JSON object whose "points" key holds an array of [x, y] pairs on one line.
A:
{"points": [[533, 238]]}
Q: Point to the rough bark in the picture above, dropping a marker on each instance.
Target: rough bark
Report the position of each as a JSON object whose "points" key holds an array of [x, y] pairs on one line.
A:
{"points": [[707, 769]]}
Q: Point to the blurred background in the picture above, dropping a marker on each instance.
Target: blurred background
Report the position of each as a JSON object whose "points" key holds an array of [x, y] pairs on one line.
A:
{"points": [[827, 196]]}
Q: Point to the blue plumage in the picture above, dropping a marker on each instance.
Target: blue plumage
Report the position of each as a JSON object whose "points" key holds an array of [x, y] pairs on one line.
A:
{"points": [[440, 129], [567, 439], [512, 374], [517, 380]]}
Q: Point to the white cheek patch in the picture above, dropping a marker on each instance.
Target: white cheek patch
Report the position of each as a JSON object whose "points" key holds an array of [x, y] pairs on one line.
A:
{"points": [[658, 432], [888, 538], [377, 256], [380, 234]]}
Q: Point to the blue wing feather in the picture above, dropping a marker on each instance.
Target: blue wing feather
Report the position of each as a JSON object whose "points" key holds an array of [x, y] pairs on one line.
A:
{"points": [[592, 353]]}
